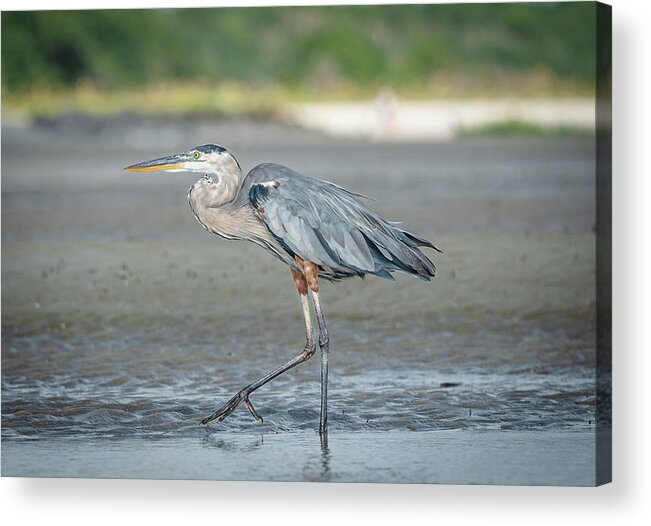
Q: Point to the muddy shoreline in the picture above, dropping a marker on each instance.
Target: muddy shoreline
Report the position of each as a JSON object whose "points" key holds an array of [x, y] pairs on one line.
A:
{"points": [[123, 321]]}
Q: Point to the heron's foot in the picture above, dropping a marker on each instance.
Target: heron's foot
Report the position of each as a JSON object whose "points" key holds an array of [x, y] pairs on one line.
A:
{"points": [[230, 406]]}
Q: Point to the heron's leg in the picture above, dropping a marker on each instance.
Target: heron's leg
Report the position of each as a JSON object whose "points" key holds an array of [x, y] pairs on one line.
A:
{"points": [[308, 352], [324, 345], [311, 273]]}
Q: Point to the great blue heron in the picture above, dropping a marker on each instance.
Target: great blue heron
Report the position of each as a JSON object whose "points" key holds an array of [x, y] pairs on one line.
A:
{"points": [[318, 229]]}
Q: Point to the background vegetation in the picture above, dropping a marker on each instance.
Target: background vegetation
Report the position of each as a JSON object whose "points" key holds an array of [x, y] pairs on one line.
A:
{"points": [[317, 52]]}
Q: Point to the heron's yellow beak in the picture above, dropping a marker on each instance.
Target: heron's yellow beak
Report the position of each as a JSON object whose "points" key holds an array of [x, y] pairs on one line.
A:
{"points": [[170, 163]]}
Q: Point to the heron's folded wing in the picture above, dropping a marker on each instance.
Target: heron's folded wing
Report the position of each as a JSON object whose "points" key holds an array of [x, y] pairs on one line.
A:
{"points": [[314, 221], [327, 225]]}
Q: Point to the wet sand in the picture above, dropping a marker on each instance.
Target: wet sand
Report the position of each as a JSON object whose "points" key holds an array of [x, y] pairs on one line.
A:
{"points": [[123, 322]]}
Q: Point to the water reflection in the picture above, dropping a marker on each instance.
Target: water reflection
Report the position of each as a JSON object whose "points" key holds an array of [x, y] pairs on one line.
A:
{"points": [[242, 443], [325, 458], [270, 456]]}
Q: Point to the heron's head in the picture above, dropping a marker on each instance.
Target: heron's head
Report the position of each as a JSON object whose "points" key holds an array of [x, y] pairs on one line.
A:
{"points": [[206, 159]]}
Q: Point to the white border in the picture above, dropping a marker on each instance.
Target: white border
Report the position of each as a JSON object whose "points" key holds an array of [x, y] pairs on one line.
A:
{"points": [[102, 502]]}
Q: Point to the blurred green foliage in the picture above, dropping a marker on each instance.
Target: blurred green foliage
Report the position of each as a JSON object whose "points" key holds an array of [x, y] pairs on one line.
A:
{"points": [[312, 48], [517, 128]]}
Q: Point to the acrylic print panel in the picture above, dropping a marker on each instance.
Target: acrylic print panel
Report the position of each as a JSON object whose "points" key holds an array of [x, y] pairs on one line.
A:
{"points": [[125, 324]]}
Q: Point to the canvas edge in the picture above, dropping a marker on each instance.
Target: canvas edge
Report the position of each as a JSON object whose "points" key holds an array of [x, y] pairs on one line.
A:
{"points": [[603, 128]]}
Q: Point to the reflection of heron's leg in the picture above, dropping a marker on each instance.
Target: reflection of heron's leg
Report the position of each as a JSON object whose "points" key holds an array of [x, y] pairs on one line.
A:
{"points": [[308, 352], [324, 345]]}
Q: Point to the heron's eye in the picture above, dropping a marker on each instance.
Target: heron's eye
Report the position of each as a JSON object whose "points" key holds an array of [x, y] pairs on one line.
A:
{"points": [[196, 155]]}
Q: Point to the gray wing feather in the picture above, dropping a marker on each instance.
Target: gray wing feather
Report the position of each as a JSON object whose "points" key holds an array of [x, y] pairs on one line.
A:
{"points": [[327, 225]]}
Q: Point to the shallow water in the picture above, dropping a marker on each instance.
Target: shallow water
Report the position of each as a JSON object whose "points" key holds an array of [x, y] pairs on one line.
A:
{"points": [[165, 392], [124, 324], [450, 457]]}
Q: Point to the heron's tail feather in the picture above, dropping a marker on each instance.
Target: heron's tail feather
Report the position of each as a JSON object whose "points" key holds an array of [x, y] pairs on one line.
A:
{"points": [[394, 249], [420, 241]]}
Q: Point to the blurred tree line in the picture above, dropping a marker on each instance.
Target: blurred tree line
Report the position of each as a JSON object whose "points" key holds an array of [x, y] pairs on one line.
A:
{"points": [[311, 47]]}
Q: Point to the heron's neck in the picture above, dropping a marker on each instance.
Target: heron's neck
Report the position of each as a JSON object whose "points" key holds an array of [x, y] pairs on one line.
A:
{"points": [[215, 205], [221, 182], [211, 198]]}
